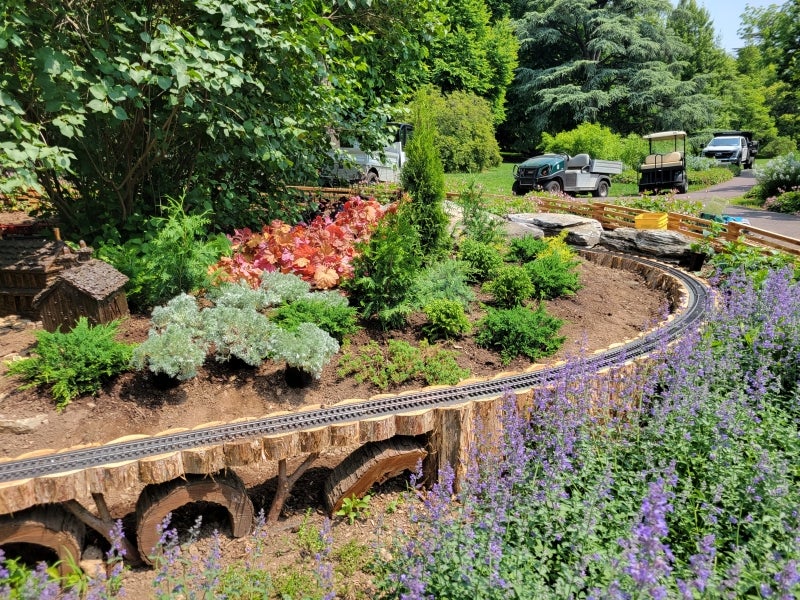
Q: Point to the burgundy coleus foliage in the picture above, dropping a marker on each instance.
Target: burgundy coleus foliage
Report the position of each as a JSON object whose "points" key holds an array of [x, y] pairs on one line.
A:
{"points": [[320, 252]]}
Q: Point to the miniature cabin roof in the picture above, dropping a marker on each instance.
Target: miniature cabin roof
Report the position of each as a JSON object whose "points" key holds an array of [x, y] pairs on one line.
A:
{"points": [[30, 254], [94, 278]]}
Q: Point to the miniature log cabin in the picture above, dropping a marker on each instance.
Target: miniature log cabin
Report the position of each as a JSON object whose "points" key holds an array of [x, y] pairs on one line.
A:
{"points": [[28, 265], [91, 288]]}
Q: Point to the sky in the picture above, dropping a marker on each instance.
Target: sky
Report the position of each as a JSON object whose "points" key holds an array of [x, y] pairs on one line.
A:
{"points": [[726, 15]]}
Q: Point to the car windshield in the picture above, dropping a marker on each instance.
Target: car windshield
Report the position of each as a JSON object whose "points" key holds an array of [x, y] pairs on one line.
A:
{"points": [[724, 141], [538, 161]]}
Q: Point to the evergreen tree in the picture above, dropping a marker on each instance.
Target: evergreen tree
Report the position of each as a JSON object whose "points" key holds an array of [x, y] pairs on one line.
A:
{"points": [[423, 179], [616, 63]]}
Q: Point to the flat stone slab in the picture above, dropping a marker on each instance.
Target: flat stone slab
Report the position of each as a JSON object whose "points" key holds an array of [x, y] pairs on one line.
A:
{"points": [[656, 242], [547, 221]]}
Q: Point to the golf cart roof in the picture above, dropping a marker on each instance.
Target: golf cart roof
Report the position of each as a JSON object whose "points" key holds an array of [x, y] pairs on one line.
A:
{"points": [[665, 135]]}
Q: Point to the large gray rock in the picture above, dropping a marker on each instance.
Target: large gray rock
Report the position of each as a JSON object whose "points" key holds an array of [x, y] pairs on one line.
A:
{"points": [[655, 242], [581, 231], [514, 230]]}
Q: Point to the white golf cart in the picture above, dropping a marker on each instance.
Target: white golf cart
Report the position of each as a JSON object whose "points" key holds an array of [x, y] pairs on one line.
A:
{"points": [[665, 165]]}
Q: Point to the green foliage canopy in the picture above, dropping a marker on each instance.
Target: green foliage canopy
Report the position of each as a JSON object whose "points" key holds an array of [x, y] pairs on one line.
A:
{"points": [[614, 63], [110, 105]]}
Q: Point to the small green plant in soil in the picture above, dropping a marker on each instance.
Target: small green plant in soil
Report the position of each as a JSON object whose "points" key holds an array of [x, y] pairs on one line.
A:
{"points": [[520, 331], [484, 259], [446, 319], [354, 508], [73, 363], [399, 362], [511, 286], [328, 311]]}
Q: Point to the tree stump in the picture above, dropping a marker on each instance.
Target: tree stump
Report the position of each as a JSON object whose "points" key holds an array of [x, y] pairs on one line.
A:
{"points": [[49, 526], [157, 501], [374, 462]]}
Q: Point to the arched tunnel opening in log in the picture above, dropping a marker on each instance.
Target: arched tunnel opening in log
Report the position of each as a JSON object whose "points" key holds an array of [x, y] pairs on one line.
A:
{"points": [[44, 533], [370, 464], [225, 489]]}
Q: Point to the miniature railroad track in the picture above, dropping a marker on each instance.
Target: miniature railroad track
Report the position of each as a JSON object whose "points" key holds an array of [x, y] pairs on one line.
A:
{"points": [[695, 306]]}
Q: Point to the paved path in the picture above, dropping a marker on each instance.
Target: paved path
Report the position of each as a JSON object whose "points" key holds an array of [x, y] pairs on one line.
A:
{"points": [[780, 223]]}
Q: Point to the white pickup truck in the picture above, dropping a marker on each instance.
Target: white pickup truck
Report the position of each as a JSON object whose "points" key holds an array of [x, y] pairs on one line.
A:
{"points": [[732, 147], [353, 165]]}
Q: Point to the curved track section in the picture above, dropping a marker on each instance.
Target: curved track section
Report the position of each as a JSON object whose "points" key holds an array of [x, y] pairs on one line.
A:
{"points": [[689, 314]]}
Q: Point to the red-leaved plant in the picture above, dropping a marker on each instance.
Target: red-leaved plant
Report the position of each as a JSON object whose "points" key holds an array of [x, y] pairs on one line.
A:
{"points": [[320, 252]]}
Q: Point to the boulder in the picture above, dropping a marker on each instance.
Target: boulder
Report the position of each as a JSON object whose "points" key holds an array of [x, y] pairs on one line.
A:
{"points": [[581, 231], [22, 426], [514, 230], [660, 243]]}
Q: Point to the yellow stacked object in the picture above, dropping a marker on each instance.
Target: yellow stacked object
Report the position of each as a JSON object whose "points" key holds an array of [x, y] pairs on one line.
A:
{"points": [[653, 220]]}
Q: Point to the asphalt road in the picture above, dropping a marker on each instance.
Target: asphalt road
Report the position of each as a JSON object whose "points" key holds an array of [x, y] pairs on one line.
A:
{"points": [[788, 225]]}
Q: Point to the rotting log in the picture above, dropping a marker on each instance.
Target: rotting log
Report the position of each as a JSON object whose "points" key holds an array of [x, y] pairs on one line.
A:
{"points": [[158, 500], [49, 526], [371, 464]]}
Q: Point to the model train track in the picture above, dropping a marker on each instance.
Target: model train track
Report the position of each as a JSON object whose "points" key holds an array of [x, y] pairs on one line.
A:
{"points": [[695, 305]]}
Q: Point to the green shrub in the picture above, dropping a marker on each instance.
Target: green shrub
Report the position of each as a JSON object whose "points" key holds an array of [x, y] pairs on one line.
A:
{"points": [[447, 279], [778, 147], [183, 311], [520, 332], [242, 333], [477, 220], [283, 287], [511, 286], [73, 363], [307, 347], [591, 138], [553, 275], [446, 319], [713, 176], [787, 202], [525, 249], [663, 203], [326, 311], [464, 137], [422, 178], [779, 175], [484, 259], [172, 256], [386, 267], [633, 152], [699, 163], [400, 362]]}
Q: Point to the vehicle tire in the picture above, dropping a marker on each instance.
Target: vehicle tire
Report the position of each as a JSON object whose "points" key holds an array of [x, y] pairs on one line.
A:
{"points": [[515, 188], [602, 190], [371, 178], [683, 187], [554, 187]]}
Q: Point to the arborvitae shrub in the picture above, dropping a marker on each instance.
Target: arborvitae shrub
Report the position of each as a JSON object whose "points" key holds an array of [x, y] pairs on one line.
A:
{"points": [[325, 311], [446, 319], [520, 331], [511, 286], [484, 259], [526, 248]]}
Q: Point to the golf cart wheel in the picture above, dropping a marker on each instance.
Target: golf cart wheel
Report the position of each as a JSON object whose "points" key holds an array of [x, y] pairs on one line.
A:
{"points": [[602, 190], [554, 187], [683, 187], [515, 188]]}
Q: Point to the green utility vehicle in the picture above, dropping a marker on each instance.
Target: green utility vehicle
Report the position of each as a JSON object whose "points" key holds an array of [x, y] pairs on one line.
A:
{"points": [[562, 173]]}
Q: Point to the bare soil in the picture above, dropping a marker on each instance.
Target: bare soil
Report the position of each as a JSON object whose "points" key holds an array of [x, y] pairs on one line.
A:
{"points": [[612, 306]]}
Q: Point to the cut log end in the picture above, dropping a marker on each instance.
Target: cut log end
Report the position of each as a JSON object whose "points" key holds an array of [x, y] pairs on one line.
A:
{"points": [[372, 463], [157, 501], [49, 526]]}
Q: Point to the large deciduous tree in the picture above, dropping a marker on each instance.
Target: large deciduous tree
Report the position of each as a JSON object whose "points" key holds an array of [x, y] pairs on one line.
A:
{"points": [[775, 31], [477, 54], [616, 63], [111, 105]]}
